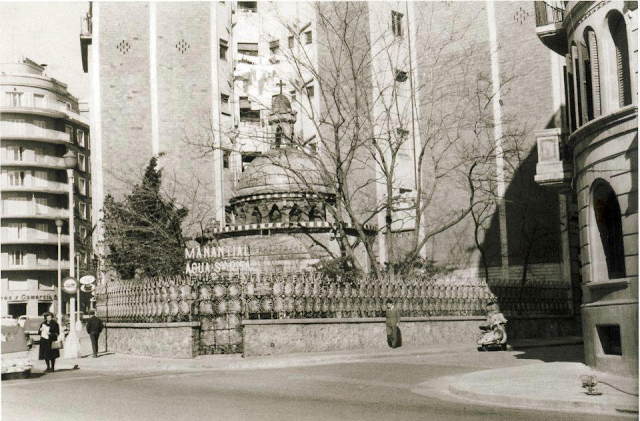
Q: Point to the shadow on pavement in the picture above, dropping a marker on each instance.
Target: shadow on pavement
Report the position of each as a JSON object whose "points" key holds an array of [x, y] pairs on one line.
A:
{"points": [[550, 354]]}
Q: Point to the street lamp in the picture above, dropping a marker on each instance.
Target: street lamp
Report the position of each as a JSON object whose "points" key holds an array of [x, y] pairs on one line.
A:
{"points": [[72, 345], [59, 223]]}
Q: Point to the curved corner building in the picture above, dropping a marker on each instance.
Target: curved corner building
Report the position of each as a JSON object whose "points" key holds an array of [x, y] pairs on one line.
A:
{"points": [[591, 157], [40, 122]]}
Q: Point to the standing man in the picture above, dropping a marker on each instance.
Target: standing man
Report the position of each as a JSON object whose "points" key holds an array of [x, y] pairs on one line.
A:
{"points": [[94, 327], [394, 338]]}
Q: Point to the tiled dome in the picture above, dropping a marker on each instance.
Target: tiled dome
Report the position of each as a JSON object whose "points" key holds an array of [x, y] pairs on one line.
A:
{"points": [[279, 171]]}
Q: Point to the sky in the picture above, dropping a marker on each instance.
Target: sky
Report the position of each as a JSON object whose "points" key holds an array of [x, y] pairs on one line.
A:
{"points": [[46, 32]]}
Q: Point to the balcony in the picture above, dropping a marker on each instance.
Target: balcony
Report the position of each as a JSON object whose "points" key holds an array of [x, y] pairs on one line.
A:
{"points": [[549, 25], [48, 187], [51, 239], [13, 131], [86, 38], [553, 169], [30, 266], [46, 108], [30, 211], [50, 162]]}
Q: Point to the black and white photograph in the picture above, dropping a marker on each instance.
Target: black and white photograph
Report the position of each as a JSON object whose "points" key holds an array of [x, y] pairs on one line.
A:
{"points": [[319, 210]]}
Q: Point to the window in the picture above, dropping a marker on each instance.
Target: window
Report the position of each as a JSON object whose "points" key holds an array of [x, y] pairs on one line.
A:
{"points": [[16, 126], [82, 186], [274, 47], [224, 104], [41, 126], [224, 47], [310, 91], [13, 99], [275, 215], [15, 153], [38, 101], [39, 154], [396, 23], [577, 85], [592, 75], [295, 214], [618, 30], [278, 137], [83, 232], [256, 216], [16, 258], [609, 222], [401, 76], [41, 258], [226, 157], [248, 6], [402, 132], [308, 37], [82, 209], [248, 48], [42, 177], [42, 231], [82, 162], [69, 130], [610, 339], [17, 230], [247, 159], [80, 137], [290, 42], [16, 178], [42, 205], [246, 113]]}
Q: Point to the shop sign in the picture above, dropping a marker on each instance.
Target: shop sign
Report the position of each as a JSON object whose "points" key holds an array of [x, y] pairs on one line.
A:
{"points": [[87, 287], [213, 259], [29, 296], [87, 279], [70, 285]]}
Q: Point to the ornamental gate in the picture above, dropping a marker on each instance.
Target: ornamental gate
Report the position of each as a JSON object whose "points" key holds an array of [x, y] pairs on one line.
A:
{"points": [[221, 301]]}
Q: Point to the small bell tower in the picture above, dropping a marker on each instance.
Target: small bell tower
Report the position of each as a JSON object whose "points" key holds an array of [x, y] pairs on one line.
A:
{"points": [[281, 120]]}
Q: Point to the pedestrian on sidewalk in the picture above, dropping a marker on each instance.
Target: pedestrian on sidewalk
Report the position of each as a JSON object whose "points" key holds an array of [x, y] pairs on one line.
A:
{"points": [[394, 337], [49, 332], [94, 327]]}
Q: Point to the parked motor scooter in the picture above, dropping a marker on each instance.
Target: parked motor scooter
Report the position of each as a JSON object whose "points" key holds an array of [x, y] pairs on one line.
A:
{"points": [[494, 335]]}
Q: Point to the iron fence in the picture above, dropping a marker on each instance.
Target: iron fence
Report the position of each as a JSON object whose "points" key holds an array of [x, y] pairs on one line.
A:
{"points": [[221, 301]]}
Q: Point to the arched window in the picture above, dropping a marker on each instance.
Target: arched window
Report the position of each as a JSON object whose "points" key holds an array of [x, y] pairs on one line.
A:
{"points": [[577, 86], [618, 29], [274, 214], [609, 222], [592, 74], [278, 137], [312, 213], [256, 216], [295, 214]]}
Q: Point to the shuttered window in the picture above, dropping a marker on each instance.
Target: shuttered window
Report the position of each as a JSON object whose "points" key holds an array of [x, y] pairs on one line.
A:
{"points": [[577, 98], [568, 83], [594, 73], [618, 30]]}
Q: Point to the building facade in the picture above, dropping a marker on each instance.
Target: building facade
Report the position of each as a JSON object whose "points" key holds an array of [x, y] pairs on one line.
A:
{"points": [[196, 89], [590, 155], [40, 122]]}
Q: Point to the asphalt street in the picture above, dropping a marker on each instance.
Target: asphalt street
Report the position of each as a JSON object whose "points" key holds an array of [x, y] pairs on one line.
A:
{"points": [[375, 389]]}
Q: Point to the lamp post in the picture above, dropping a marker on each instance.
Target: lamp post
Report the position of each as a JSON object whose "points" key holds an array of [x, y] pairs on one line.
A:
{"points": [[72, 345], [59, 223]]}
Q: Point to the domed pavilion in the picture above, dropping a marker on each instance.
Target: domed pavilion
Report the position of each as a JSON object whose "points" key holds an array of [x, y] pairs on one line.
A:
{"points": [[281, 202]]}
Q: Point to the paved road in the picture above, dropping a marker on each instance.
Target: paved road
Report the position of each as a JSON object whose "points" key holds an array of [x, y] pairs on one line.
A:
{"points": [[374, 390]]}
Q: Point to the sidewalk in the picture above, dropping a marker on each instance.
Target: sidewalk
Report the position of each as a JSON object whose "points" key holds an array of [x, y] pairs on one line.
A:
{"points": [[528, 382]]}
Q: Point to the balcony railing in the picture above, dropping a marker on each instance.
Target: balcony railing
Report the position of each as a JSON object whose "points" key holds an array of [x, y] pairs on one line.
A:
{"points": [[29, 105], [33, 211], [549, 12], [549, 25], [39, 161], [8, 130], [46, 187]]}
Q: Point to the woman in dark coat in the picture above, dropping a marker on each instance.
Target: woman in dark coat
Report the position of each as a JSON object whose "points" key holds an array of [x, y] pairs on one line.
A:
{"points": [[49, 332]]}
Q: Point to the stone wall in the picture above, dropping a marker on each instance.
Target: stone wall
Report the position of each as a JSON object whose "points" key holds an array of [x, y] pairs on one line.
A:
{"points": [[274, 337], [164, 340]]}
